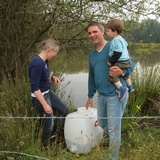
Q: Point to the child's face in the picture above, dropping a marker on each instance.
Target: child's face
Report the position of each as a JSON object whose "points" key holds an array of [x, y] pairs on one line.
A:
{"points": [[111, 34]]}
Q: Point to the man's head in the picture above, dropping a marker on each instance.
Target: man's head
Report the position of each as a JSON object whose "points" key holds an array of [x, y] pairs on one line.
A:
{"points": [[95, 32]]}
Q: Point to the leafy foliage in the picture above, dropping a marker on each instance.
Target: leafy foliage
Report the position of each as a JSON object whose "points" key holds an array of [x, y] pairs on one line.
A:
{"points": [[146, 31], [25, 23]]}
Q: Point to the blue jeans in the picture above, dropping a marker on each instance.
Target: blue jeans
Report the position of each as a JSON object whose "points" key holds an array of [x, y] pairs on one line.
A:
{"points": [[110, 111], [56, 104]]}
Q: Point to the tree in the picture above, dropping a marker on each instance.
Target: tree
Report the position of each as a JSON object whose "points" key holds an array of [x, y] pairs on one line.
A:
{"points": [[24, 23], [146, 31]]}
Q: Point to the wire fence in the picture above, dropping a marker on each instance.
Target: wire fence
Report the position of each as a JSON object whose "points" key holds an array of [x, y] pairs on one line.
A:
{"points": [[82, 117], [24, 154], [77, 117]]}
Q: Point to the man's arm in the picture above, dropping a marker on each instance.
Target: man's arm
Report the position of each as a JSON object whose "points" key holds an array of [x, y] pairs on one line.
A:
{"points": [[91, 88]]}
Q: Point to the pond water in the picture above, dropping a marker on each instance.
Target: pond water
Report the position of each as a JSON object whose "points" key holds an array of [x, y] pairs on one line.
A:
{"points": [[77, 88]]}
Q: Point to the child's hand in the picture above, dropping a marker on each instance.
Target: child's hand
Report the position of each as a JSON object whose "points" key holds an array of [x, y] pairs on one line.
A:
{"points": [[108, 63]]}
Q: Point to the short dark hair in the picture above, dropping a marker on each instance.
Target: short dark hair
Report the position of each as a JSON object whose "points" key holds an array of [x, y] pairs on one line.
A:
{"points": [[95, 23], [115, 25]]}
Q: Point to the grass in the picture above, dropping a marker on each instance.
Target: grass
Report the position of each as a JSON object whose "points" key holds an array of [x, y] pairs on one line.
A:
{"points": [[141, 144], [154, 47], [140, 137], [138, 144], [141, 50]]}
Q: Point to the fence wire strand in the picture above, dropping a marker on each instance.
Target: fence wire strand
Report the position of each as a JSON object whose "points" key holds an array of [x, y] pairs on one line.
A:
{"points": [[20, 153], [82, 117]]}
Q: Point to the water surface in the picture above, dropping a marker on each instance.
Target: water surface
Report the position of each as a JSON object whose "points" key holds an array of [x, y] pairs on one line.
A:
{"points": [[78, 86]]}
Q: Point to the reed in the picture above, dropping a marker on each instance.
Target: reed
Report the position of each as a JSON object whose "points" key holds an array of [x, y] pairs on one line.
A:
{"points": [[144, 101], [17, 135]]}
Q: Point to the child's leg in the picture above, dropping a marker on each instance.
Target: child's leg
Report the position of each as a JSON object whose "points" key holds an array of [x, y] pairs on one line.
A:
{"points": [[129, 85], [118, 84], [128, 81], [122, 91]]}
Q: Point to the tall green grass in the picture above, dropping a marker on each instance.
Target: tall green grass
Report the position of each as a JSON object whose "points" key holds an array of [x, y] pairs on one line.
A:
{"points": [[144, 101], [140, 139]]}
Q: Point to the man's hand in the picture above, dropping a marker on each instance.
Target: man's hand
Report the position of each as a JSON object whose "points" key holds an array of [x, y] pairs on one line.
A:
{"points": [[89, 103], [115, 71]]}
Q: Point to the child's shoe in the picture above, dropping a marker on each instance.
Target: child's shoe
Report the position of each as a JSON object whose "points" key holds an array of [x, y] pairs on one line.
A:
{"points": [[122, 92], [130, 89]]}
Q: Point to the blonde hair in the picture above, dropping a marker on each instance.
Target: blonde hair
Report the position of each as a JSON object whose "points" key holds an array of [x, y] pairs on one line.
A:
{"points": [[50, 43]]}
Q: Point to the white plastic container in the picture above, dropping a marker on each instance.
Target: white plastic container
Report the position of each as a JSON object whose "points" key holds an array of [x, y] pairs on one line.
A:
{"points": [[81, 130]]}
